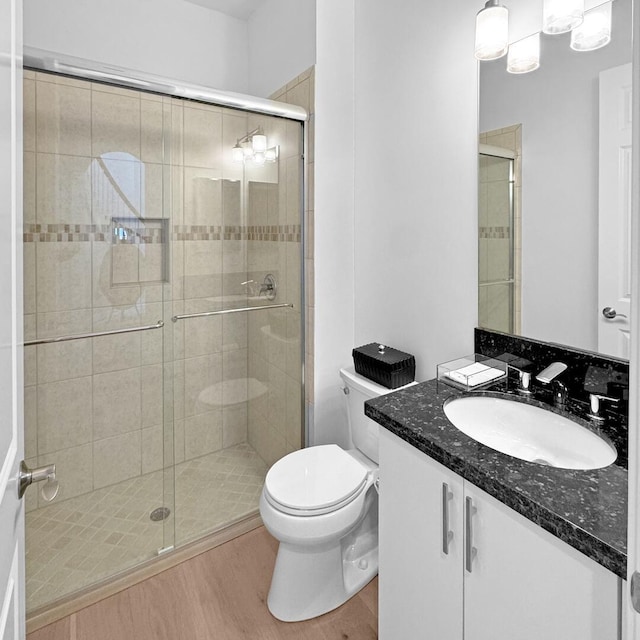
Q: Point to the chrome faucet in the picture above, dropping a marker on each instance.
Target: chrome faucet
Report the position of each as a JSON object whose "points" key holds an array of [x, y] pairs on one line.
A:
{"points": [[548, 375]]}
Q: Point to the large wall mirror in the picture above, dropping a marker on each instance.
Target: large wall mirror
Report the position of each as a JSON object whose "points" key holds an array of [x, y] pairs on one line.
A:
{"points": [[554, 193]]}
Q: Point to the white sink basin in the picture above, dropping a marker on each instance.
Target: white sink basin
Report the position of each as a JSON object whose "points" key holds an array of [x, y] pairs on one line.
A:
{"points": [[529, 433]]}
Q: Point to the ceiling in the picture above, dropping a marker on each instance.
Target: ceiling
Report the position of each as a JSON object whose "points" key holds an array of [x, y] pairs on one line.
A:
{"points": [[241, 9]]}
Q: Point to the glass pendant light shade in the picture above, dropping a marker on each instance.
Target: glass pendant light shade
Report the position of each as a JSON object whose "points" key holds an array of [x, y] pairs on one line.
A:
{"points": [[560, 16], [237, 154], [492, 31], [595, 31], [524, 55], [259, 143]]}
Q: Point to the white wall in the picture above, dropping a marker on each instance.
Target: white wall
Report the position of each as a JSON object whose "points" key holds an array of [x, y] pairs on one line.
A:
{"points": [[416, 179], [558, 108], [282, 43], [403, 244], [334, 215], [171, 38]]}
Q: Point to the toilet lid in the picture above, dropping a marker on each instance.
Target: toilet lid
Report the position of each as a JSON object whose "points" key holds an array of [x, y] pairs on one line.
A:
{"points": [[315, 478]]}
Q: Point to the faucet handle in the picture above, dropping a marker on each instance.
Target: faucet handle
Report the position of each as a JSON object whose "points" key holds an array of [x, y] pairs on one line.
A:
{"points": [[524, 377], [595, 400]]}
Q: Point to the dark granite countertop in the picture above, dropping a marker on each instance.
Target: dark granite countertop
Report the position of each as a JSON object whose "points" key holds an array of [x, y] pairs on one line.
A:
{"points": [[586, 509]]}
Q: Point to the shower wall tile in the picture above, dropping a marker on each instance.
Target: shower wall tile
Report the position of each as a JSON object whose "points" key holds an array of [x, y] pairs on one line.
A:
{"points": [[151, 395], [30, 422], [116, 403], [116, 459], [231, 203], [202, 434], [63, 189], [115, 120], [152, 133], [277, 399], [64, 414], [114, 353], [153, 191], [202, 389], [29, 187], [203, 257], [74, 471], [29, 278], [29, 115], [293, 191], [234, 331], [234, 424], [63, 323], [203, 137], [152, 449], [234, 256], [64, 361], [202, 197], [63, 118], [293, 432], [201, 335], [59, 264]]}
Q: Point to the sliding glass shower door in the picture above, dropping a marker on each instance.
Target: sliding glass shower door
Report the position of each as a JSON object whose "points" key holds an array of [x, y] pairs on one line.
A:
{"points": [[236, 309]]}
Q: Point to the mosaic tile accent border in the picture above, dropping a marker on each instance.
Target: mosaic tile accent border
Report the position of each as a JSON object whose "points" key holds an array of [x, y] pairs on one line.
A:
{"points": [[502, 233], [187, 233]]}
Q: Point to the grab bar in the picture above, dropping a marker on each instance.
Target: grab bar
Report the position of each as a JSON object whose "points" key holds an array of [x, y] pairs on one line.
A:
{"points": [[80, 336], [223, 311]]}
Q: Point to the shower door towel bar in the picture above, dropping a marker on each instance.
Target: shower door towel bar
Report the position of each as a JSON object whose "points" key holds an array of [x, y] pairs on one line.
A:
{"points": [[81, 336], [204, 314]]}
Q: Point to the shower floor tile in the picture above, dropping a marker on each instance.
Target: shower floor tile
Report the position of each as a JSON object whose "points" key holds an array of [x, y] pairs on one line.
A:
{"points": [[86, 539]]}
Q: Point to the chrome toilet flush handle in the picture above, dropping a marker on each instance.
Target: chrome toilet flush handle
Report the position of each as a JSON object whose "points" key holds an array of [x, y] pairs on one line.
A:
{"points": [[47, 473]]}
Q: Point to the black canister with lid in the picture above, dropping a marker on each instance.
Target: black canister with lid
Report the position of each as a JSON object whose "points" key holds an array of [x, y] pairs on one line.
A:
{"points": [[385, 365]]}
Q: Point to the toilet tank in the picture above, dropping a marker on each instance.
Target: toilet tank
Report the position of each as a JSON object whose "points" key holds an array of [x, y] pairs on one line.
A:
{"points": [[363, 430]]}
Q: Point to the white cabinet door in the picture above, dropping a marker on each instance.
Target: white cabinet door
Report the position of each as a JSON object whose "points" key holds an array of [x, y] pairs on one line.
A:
{"points": [[420, 587], [526, 584]]}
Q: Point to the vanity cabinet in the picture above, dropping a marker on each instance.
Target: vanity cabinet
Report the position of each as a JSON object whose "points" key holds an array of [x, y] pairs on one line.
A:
{"points": [[456, 564]]}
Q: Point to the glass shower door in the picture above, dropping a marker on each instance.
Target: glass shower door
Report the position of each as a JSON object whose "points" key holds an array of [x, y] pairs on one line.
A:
{"points": [[496, 281], [95, 262], [236, 181]]}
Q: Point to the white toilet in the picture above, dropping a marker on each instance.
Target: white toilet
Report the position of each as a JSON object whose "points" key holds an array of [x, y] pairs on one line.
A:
{"points": [[321, 504]]}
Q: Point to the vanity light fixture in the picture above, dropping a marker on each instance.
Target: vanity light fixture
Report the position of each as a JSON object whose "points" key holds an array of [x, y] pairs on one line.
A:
{"points": [[492, 31], [595, 31], [560, 16], [524, 55], [254, 147]]}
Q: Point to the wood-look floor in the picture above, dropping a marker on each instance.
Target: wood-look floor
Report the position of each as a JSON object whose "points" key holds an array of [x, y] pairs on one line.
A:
{"points": [[218, 595]]}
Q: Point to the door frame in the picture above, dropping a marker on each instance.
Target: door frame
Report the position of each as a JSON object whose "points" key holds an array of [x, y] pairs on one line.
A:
{"points": [[633, 529]]}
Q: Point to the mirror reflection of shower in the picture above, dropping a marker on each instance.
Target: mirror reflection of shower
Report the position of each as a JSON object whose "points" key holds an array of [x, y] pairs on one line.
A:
{"points": [[499, 282]]}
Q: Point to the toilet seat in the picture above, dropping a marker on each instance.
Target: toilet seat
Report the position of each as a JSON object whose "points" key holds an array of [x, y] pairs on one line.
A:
{"points": [[314, 481]]}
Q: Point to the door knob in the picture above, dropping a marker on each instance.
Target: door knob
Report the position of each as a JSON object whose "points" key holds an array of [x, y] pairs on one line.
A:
{"points": [[610, 313], [47, 473]]}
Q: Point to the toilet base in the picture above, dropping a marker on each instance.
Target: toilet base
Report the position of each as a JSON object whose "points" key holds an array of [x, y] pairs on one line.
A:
{"points": [[308, 583]]}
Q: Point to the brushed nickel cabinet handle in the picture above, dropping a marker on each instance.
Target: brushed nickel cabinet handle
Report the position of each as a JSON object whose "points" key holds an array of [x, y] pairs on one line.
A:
{"points": [[447, 534], [470, 550]]}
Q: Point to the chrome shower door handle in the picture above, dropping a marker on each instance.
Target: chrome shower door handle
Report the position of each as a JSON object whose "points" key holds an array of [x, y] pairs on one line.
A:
{"points": [[470, 550], [610, 313], [447, 534], [47, 473]]}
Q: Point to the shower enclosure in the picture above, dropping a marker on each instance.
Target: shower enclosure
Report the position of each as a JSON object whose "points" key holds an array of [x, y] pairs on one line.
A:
{"points": [[163, 321], [498, 284]]}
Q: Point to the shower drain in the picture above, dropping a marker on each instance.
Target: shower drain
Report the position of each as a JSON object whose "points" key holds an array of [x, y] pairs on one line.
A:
{"points": [[161, 513]]}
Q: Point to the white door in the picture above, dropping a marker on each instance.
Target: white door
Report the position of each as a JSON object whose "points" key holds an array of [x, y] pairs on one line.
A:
{"points": [[11, 426], [614, 211]]}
